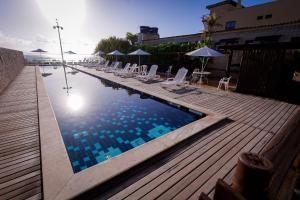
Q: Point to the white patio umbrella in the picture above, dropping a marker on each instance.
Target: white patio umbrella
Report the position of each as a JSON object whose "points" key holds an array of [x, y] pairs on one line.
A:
{"points": [[139, 53], [116, 53], [205, 53]]}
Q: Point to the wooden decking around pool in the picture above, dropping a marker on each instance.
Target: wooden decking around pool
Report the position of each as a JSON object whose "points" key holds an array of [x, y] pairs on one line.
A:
{"points": [[196, 168], [20, 167], [254, 121]]}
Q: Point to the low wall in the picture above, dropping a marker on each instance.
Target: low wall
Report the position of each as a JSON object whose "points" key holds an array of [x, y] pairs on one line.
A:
{"points": [[11, 63]]}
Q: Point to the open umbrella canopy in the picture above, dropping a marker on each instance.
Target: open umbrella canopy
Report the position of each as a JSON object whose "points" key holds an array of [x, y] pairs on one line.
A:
{"points": [[39, 51], [204, 52], [139, 52], [70, 52], [115, 53]]}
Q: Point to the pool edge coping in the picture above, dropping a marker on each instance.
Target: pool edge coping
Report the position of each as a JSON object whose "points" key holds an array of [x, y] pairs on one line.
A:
{"points": [[66, 184]]}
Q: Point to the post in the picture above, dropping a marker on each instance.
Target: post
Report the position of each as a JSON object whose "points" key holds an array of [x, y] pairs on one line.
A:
{"points": [[252, 176], [62, 54], [229, 64]]}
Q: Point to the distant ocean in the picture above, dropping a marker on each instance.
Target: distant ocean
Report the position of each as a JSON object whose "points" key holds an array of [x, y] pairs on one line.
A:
{"points": [[54, 57]]}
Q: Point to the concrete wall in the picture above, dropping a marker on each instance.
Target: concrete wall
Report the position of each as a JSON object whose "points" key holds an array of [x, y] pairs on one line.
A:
{"points": [[176, 39], [282, 11], [286, 31], [11, 63]]}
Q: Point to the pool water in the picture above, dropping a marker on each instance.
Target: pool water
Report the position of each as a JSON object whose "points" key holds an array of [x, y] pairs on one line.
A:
{"points": [[100, 119]]}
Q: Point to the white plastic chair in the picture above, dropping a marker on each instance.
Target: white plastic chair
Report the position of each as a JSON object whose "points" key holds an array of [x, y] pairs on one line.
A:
{"points": [[179, 78], [151, 74], [143, 70], [224, 81]]}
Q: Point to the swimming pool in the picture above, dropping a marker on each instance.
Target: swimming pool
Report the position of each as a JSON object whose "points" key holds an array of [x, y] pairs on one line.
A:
{"points": [[100, 119]]}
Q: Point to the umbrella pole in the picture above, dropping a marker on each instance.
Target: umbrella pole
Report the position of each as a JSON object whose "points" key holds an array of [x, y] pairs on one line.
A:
{"points": [[41, 63], [139, 60], [202, 68]]}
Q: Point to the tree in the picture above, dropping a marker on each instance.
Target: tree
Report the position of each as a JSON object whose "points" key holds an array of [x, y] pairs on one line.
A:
{"points": [[210, 22], [112, 43], [131, 38]]}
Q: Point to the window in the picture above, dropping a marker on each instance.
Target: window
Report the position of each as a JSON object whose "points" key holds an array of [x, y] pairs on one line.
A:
{"points": [[230, 25], [259, 17], [268, 16]]}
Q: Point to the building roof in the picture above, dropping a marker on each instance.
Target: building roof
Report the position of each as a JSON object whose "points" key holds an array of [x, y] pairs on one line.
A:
{"points": [[178, 36], [234, 3], [296, 22]]}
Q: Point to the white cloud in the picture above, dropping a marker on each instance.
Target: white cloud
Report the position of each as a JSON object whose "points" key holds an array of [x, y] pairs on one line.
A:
{"points": [[14, 42], [79, 45], [43, 39]]}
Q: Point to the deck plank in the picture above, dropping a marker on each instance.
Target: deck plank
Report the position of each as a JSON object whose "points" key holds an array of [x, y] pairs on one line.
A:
{"points": [[256, 121], [20, 163], [194, 169]]}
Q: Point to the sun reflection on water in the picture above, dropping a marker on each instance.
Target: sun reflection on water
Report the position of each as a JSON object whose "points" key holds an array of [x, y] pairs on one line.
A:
{"points": [[75, 102]]}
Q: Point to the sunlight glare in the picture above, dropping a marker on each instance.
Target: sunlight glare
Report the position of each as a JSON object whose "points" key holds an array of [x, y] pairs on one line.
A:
{"points": [[70, 12], [75, 102]]}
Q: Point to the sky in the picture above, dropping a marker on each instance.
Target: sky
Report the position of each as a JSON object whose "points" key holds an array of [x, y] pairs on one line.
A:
{"points": [[28, 24]]}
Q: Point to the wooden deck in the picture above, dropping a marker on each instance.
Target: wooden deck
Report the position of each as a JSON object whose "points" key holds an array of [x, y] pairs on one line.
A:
{"points": [[196, 168], [20, 167], [254, 121]]}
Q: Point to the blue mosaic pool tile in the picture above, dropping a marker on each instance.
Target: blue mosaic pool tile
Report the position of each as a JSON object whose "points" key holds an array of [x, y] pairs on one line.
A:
{"points": [[113, 120], [75, 163], [158, 131], [77, 149], [70, 148], [137, 142], [97, 145], [120, 140], [86, 159]]}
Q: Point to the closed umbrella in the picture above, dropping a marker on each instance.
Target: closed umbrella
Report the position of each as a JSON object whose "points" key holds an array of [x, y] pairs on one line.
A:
{"points": [[139, 53], [205, 53], [116, 53]]}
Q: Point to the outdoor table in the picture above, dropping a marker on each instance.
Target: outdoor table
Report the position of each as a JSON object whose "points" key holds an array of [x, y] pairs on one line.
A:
{"points": [[202, 74]]}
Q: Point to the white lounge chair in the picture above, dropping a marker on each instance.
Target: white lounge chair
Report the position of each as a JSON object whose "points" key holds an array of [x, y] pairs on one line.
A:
{"points": [[151, 74], [132, 71], [99, 67], [224, 81], [179, 78], [112, 68], [117, 70], [122, 71]]}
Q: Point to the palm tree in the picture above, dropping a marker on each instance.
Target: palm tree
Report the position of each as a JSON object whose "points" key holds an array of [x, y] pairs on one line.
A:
{"points": [[210, 22], [131, 38]]}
